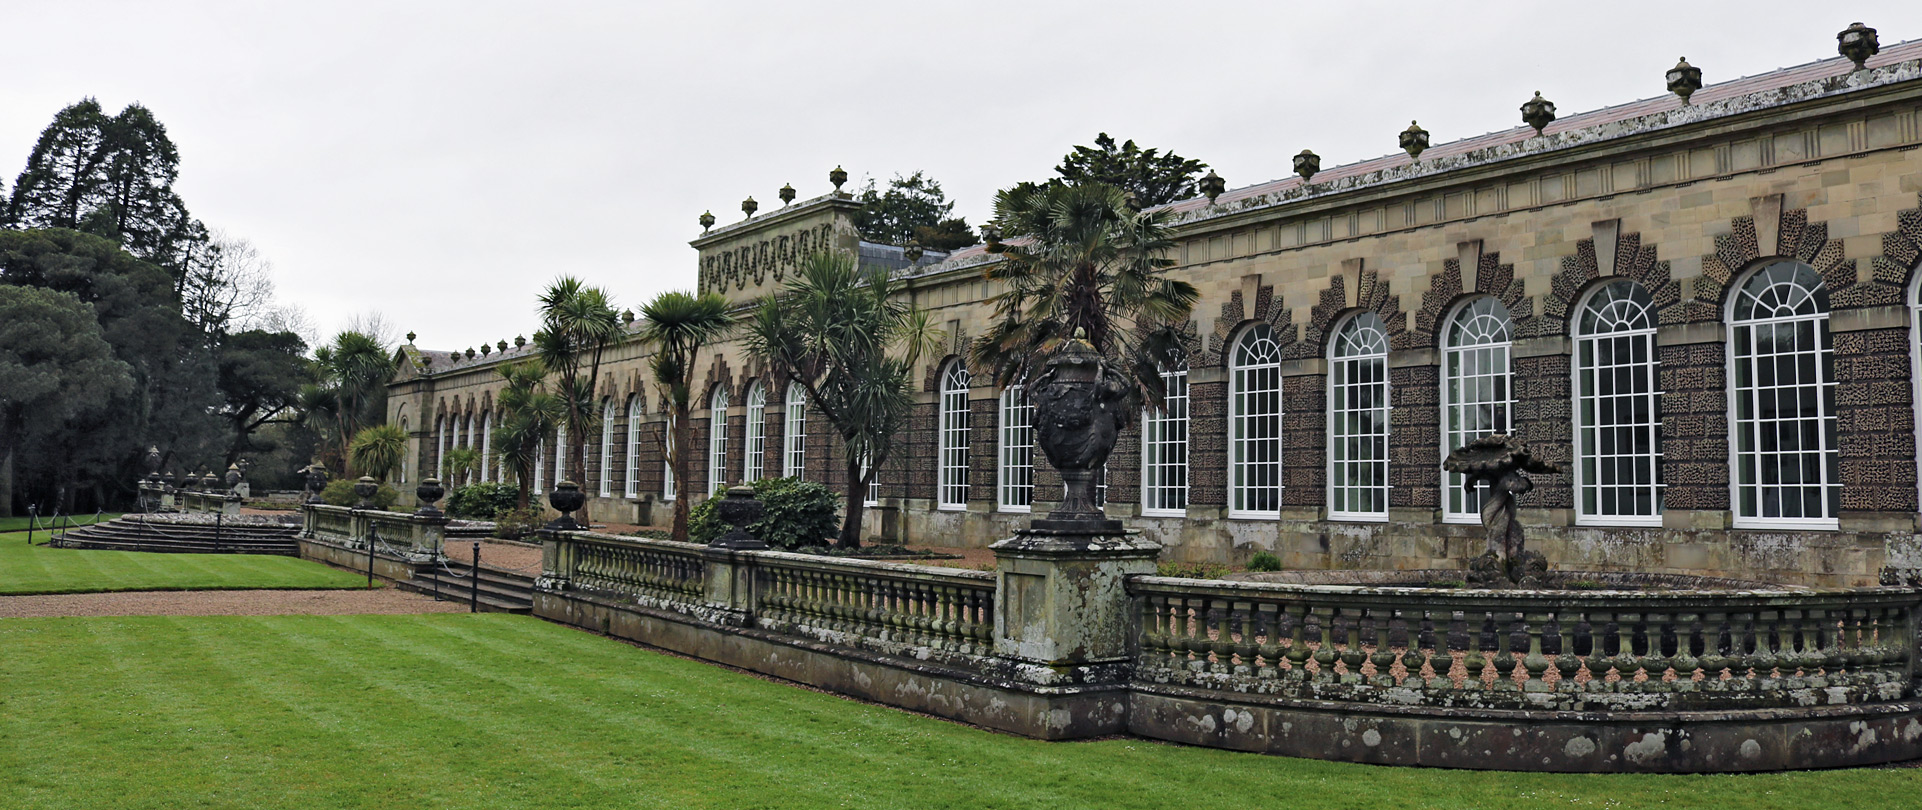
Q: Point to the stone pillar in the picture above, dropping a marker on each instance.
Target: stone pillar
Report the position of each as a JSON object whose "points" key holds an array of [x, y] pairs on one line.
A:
{"points": [[729, 586], [1061, 600], [429, 536]]}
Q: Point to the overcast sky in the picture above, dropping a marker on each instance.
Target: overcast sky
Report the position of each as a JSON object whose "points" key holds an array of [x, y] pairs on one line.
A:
{"points": [[441, 162]]}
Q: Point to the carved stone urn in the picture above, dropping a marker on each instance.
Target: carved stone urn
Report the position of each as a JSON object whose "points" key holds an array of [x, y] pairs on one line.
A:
{"points": [[1501, 462], [316, 483], [1078, 411], [365, 489], [739, 509], [567, 498], [428, 492]]}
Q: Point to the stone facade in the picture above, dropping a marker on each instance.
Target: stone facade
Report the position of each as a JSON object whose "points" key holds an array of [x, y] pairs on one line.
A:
{"points": [[1818, 164]]}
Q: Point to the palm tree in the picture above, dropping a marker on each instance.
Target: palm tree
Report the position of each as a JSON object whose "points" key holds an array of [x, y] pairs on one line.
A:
{"points": [[377, 450], [577, 325], [839, 333], [676, 325], [528, 414], [354, 369], [1087, 262]]}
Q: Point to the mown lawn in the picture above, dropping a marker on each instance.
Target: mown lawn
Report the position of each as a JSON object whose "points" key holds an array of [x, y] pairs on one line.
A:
{"points": [[39, 569], [493, 711], [19, 523]]}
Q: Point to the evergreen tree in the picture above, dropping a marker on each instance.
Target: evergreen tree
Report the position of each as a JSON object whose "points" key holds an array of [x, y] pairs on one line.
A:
{"points": [[913, 208], [55, 369], [1154, 178]]}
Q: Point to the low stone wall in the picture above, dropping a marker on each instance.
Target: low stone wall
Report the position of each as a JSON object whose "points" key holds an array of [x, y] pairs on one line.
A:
{"points": [[414, 537], [1070, 639]]}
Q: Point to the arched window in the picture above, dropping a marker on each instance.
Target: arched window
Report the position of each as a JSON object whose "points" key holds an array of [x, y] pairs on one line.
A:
{"points": [[1786, 468], [561, 452], [717, 439], [1618, 421], [1358, 420], [1475, 393], [607, 448], [440, 448], [952, 491], [794, 443], [406, 459], [1017, 450], [487, 444], [756, 433], [540, 464], [1254, 425], [668, 490], [633, 478], [1164, 449]]}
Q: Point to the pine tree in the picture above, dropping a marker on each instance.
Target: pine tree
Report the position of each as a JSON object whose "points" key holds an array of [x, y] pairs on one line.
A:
{"points": [[1152, 177]]}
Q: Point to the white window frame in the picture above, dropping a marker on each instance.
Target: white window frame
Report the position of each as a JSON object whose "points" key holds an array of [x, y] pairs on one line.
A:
{"points": [[406, 460], [487, 443], [1491, 345], [440, 441], [1825, 368], [794, 439], [1628, 320], [540, 463], [632, 485], [607, 447], [560, 455], [873, 496], [1164, 449], [1254, 359], [668, 490], [756, 445], [1360, 344], [951, 422], [717, 405], [1014, 482]]}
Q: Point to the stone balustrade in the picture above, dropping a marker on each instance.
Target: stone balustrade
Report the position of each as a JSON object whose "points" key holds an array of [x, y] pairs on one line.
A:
{"points": [[409, 537], [881, 606], [200, 502], [660, 572], [1592, 651]]}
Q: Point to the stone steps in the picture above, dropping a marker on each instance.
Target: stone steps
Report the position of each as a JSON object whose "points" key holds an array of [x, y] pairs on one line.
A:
{"points": [[500, 591], [137, 534]]}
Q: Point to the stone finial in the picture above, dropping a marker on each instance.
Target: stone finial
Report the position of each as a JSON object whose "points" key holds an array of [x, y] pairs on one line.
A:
{"points": [[429, 491], [1538, 112], [707, 221], [787, 193], [991, 234], [749, 206], [1858, 43], [627, 317], [1684, 79], [837, 177], [410, 337], [1212, 186], [501, 346], [486, 350], [739, 509], [913, 252], [566, 499], [1306, 164], [519, 341], [454, 356], [1414, 139], [365, 489], [470, 352]]}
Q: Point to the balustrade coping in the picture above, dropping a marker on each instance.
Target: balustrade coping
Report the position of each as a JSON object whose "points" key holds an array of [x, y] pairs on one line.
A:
{"points": [[1622, 600], [812, 561]]}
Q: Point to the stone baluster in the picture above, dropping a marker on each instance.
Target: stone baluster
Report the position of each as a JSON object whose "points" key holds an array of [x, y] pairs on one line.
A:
{"points": [[1507, 664], [1297, 653], [1568, 665], [1383, 659], [1655, 662], [1420, 631], [1624, 660], [1325, 656], [1535, 661], [1687, 641], [1217, 637], [1246, 645], [1716, 642], [1267, 619], [1473, 663], [1351, 652]]}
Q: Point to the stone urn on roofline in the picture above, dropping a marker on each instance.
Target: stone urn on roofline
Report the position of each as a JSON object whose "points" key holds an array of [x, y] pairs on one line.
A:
{"points": [[1502, 463]]}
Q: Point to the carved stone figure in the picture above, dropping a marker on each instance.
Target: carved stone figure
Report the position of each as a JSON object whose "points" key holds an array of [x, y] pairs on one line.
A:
{"points": [[1501, 462], [1079, 409]]}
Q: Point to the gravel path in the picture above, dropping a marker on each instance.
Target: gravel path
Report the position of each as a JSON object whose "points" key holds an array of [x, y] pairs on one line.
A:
{"points": [[225, 603]]}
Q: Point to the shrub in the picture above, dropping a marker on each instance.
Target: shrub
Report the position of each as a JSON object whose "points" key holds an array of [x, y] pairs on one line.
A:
{"points": [[482, 501], [341, 493], [1191, 570], [1264, 561], [798, 514], [514, 524]]}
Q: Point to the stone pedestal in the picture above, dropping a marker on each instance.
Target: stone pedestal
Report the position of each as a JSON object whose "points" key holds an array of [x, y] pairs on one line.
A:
{"points": [[729, 586], [1061, 599]]}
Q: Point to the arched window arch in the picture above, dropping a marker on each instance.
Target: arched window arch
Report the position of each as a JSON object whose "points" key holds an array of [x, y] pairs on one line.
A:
{"points": [[1164, 449], [1475, 392], [1254, 425], [794, 439], [540, 464], [632, 487], [756, 433], [1017, 450], [561, 452], [668, 490], [1780, 355], [1618, 420], [406, 459], [607, 448], [440, 448], [952, 490], [717, 439], [1358, 419]]}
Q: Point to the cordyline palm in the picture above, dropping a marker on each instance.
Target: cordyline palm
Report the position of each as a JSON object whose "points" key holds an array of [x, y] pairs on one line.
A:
{"points": [[354, 369], [378, 449], [675, 325], [838, 332], [528, 413], [577, 325], [1089, 262]]}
